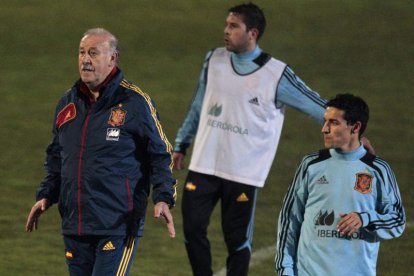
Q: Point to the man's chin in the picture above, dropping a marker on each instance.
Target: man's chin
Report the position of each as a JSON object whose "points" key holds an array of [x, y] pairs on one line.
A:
{"points": [[328, 145], [89, 83], [87, 79], [228, 47]]}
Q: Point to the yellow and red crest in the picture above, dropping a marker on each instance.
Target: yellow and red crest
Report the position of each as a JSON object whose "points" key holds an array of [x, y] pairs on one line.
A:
{"points": [[117, 117], [363, 183]]}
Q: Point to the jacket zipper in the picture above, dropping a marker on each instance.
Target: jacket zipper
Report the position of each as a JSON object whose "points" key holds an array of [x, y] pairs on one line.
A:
{"points": [[82, 147]]}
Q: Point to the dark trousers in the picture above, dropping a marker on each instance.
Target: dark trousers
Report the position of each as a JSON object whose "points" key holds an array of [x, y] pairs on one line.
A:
{"points": [[99, 255], [238, 201]]}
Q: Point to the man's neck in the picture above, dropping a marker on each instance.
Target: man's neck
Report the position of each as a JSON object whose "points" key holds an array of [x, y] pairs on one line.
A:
{"points": [[352, 146], [252, 54], [95, 94]]}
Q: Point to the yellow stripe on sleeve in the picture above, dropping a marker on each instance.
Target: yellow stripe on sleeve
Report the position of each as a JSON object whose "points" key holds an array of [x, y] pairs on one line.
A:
{"points": [[136, 89]]}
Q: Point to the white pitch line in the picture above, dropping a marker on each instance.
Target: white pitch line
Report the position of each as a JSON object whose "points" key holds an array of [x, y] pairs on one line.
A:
{"points": [[266, 252]]}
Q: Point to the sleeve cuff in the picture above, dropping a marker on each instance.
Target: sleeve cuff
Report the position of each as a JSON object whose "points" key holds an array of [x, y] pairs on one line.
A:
{"points": [[364, 218], [287, 271], [181, 148]]}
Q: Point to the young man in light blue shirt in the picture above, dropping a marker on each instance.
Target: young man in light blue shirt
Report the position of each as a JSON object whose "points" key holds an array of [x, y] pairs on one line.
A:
{"points": [[343, 201]]}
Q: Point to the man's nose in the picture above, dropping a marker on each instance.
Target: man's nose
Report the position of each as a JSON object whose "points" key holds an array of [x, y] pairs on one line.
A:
{"points": [[86, 59], [226, 30], [325, 128]]}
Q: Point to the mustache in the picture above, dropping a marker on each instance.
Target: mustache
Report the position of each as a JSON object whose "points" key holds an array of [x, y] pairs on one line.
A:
{"points": [[87, 67]]}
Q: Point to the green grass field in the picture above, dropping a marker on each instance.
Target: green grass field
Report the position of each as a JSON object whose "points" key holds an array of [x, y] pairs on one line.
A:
{"points": [[358, 46]]}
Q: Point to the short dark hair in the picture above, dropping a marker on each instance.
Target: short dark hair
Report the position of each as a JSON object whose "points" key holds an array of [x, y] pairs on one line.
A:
{"points": [[252, 16], [356, 109]]}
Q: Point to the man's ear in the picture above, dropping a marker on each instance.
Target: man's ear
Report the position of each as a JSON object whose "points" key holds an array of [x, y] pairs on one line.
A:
{"points": [[114, 58], [356, 128], [254, 33]]}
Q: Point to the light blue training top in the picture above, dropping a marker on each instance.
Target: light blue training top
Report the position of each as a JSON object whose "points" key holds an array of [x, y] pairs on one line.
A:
{"points": [[327, 184]]}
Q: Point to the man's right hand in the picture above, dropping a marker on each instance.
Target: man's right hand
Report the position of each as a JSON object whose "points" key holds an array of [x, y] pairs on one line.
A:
{"points": [[34, 215], [178, 159]]}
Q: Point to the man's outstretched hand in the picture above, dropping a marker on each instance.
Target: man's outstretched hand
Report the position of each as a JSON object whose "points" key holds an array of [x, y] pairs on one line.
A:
{"points": [[33, 219], [161, 209]]}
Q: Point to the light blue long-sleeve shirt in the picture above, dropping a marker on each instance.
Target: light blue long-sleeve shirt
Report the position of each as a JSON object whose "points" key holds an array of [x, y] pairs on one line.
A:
{"points": [[326, 184], [291, 91]]}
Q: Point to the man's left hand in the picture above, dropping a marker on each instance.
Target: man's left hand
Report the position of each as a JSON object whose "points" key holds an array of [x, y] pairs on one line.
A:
{"points": [[161, 209], [349, 223]]}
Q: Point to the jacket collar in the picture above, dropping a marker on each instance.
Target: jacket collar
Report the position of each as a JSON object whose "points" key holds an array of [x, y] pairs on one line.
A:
{"points": [[101, 87]]}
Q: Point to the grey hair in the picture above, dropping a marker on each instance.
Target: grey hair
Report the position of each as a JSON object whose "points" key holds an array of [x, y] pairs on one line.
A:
{"points": [[113, 41]]}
